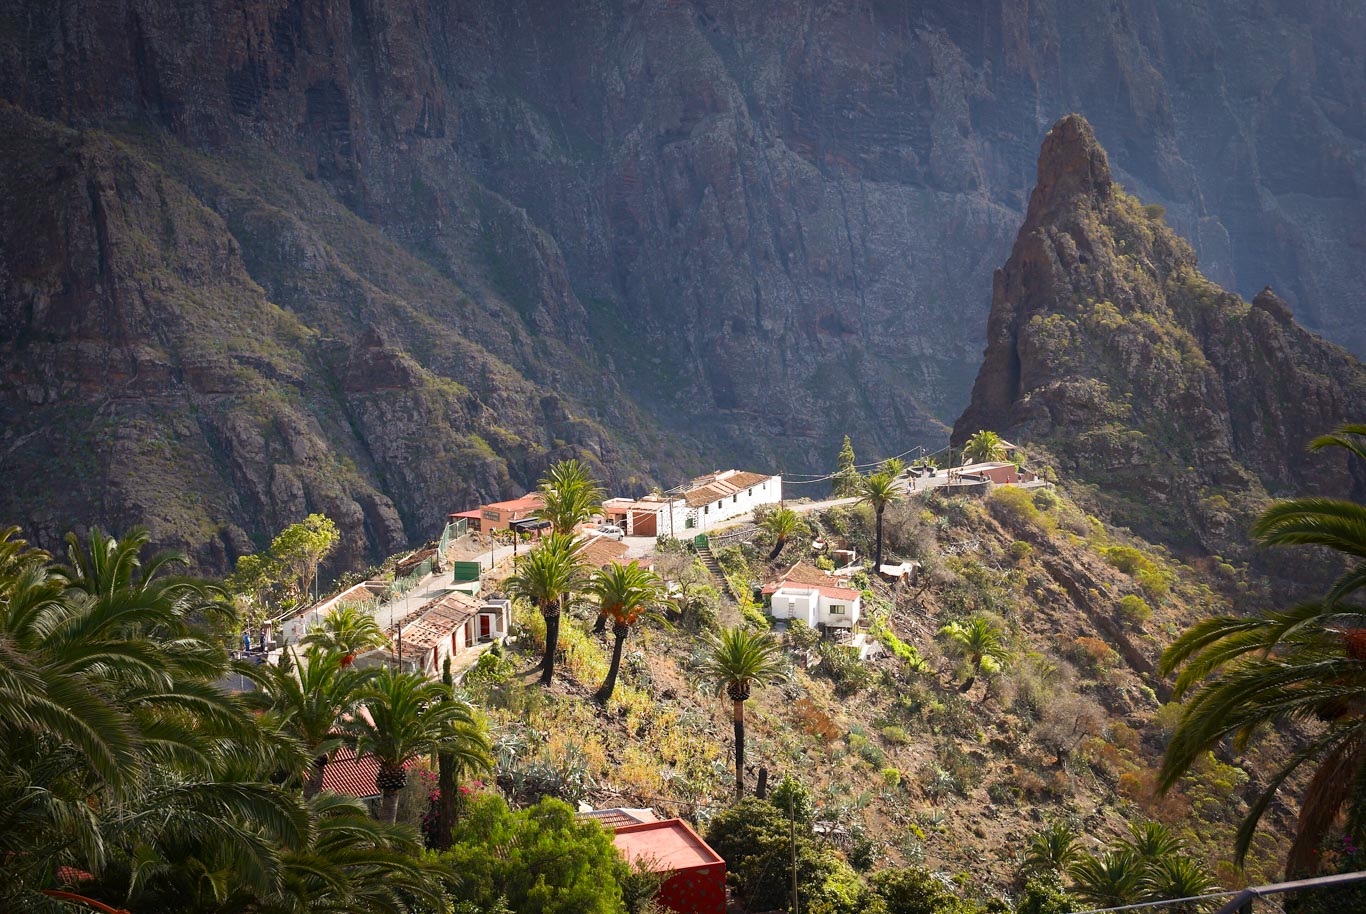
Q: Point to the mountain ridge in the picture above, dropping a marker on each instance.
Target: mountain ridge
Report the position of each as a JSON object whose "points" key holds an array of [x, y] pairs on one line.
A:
{"points": [[1108, 347]]}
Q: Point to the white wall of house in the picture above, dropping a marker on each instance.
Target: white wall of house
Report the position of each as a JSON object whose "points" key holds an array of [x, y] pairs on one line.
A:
{"points": [[705, 517], [839, 612], [494, 618], [796, 601]]}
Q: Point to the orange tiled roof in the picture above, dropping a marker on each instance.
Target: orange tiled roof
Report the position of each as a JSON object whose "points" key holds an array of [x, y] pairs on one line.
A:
{"points": [[826, 590], [719, 485], [351, 776], [528, 502], [601, 551], [806, 574], [435, 621], [617, 818]]}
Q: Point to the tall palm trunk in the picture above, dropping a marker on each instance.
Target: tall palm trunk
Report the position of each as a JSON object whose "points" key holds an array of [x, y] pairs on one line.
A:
{"points": [[777, 548], [609, 685], [600, 625], [739, 718], [552, 642], [314, 784], [877, 556], [389, 781]]}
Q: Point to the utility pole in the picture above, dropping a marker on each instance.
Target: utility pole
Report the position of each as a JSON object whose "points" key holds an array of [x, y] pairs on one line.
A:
{"points": [[792, 825]]}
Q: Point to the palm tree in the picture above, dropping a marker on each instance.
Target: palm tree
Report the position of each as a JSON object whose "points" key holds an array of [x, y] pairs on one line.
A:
{"points": [[625, 593], [354, 863], [984, 447], [980, 642], [1304, 663], [543, 579], [347, 631], [570, 494], [111, 727], [1178, 876], [893, 467], [782, 524], [1111, 879], [736, 660], [1153, 841], [878, 490], [406, 716], [1051, 850], [309, 698]]}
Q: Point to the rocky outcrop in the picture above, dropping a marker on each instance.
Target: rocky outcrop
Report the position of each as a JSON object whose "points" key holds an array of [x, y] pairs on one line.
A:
{"points": [[1184, 404], [150, 378]]}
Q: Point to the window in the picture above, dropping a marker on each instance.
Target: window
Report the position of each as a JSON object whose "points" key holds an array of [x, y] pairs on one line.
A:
{"points": [[838, 609], [749, 493], [689, 523], [706, 509], [735, 498]]}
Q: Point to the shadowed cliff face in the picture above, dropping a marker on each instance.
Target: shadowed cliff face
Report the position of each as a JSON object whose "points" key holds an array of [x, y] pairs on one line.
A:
{"points": [[1181, 402], [731, 229]]}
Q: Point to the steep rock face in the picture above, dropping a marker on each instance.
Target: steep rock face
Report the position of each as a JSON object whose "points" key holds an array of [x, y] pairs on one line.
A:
{"points": [[731, 229], [1179, 400], [150, 379]]}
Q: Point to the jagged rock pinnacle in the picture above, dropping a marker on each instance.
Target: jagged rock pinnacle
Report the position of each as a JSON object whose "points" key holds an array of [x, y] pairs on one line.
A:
{"points": [[1071, 164]]}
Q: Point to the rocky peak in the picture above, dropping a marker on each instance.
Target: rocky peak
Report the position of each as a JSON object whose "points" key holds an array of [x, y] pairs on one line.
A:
{"points": [[1106, 347], [1072, 165], [1274, 305]]}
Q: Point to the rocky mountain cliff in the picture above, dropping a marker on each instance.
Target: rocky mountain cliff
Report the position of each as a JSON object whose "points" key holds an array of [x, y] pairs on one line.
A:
{"points": [[706, 231], [1184, 404]]}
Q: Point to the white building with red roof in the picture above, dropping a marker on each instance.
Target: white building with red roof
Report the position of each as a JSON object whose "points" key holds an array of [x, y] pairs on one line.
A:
{"points": [[815, 597], [696, 507]]}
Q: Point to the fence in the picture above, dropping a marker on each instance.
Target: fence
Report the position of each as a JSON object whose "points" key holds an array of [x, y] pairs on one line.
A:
{"points": [[455, 528], [730, 536], [1323, 889], [402, 585]]}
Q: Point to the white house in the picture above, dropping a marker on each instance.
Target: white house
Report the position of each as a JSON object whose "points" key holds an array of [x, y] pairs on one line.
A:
{"points": [[815, 604], [449, 626], [701, 505], [366, 594]]}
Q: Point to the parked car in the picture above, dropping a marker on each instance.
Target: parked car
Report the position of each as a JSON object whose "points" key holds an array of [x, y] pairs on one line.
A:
{"points": [[611, 531]]}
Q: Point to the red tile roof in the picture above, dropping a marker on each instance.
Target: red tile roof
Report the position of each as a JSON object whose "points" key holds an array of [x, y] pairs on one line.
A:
{"points": [[617, 817], [719, 485], [601, 551], [826, 590], [529, 502], [437, 620], [351, 776]]}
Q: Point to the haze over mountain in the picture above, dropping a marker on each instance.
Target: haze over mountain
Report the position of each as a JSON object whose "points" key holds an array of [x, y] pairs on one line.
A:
{"points": [[383, 259]]}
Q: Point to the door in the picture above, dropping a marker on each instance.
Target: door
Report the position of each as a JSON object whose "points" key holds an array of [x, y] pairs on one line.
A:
{"points": [[485, 628], [644, 523]]}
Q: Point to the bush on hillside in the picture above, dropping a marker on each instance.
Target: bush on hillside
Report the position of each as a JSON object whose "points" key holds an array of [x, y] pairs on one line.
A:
{"points": [[915, 890], [753, 838], [1135, 610], [544, 854], [1013, 506]]}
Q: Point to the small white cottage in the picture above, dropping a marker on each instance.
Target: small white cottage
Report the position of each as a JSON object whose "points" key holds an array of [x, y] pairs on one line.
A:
{"points": [[815, 603]]}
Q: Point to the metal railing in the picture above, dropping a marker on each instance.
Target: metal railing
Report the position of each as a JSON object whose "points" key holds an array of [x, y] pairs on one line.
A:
{"points": [[454, 529], [401, 586], [1239, 901]]}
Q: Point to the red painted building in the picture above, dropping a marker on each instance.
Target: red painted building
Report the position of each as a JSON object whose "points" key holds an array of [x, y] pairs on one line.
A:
{"points": [[698, 883]]}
